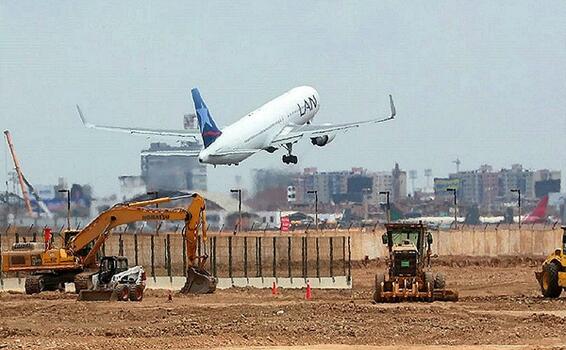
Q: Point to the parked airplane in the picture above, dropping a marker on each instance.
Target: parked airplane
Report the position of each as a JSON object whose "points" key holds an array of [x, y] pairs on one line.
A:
{"points": [[279, 123], [537, 215]]}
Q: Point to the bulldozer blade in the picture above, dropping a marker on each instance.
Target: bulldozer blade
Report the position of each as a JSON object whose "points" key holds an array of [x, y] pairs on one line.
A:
{"points": [[96, 295], [445, 295], [199, 281]]}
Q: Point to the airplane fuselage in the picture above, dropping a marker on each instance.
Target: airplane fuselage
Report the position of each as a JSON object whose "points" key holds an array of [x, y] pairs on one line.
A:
{"points": [[256, 130]]}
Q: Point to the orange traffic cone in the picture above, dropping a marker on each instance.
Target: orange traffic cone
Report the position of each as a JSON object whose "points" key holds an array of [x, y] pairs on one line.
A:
{"points": [[274, 290], [169, 296], [308, 294]]}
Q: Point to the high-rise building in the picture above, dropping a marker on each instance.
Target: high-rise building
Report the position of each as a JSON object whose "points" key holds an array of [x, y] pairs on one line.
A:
{"points": [[165, 167]]}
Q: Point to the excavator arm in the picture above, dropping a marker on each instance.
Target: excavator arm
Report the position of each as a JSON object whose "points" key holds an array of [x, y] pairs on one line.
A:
{"points": [[98, 230]]}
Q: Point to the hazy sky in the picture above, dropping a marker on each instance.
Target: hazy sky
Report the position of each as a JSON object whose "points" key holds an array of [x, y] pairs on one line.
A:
{"points": [[484, 81]]}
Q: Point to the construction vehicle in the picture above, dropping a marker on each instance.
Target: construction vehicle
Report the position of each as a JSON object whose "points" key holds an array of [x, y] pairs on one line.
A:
{"points": [[75, 261], [408, 276], [116, 281], [552, 278]]}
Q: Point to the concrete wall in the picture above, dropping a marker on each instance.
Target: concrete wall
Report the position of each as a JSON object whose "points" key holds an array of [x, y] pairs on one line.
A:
{"points": [[474, 241]]}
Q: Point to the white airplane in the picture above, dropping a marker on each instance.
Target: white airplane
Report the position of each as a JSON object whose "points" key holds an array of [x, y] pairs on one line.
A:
{"points": [[279, 123]]}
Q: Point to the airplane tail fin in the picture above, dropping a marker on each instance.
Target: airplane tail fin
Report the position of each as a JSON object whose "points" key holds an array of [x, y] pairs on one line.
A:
{"points": [[208, 129], [540, 211]]}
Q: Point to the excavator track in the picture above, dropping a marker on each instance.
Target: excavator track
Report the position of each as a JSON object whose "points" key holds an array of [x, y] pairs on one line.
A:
{"points": [[34, 284]]}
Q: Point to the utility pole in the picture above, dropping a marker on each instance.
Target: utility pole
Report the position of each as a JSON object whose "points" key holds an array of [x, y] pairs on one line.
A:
{"points": [[454, 191], [239, 192], [315, 207], [518, 191], [388, 205], [68, 208]]}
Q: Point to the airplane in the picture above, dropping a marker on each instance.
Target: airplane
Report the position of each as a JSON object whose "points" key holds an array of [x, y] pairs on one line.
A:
{"points": [[279, 123], [537, 215]]}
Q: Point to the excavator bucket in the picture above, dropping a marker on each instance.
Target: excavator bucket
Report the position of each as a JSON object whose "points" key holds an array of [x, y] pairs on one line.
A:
{"points": [[199, 281]]}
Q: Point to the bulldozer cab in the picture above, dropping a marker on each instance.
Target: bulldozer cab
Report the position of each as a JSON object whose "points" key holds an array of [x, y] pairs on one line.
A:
{"points": [[111, 265]]}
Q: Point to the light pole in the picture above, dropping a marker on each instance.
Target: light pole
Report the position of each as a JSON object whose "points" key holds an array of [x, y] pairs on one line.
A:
{"points": [[518, 204], [68, 208], [315, 207], [239, 192], [156, 195], [388, 206], [453, 190]]}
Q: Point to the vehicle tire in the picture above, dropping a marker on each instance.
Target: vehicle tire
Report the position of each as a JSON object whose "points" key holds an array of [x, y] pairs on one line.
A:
{"points": [[428, 280], [378, 289], [549, 285], [136, 293], [439, 281], [122, 292]]}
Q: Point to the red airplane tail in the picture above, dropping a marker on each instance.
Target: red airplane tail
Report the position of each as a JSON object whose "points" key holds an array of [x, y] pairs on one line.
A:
{"points": [[539, 213]]}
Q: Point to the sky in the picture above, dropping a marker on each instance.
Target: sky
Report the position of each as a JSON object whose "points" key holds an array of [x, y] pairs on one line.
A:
{"points": [[482, 81]]}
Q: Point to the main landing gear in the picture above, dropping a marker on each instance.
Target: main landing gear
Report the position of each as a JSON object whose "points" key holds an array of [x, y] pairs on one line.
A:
{"points": [[289, 158]]}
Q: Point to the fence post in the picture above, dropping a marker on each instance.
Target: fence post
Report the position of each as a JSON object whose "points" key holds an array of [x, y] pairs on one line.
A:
{"points": [[230, 258], [260, 260], [304, 268], [153, 258], [275, 257], [214, 254], [344, 254], [331, 245], [289, 259], [246, 257], [120, 245], [317, 259], [136, 248], [169, 258], [349, 262]]}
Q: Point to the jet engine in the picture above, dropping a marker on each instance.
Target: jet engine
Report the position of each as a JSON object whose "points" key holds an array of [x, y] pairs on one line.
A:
{"points": [[323, 140]]}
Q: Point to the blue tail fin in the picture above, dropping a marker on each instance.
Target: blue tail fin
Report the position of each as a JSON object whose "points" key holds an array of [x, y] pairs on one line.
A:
{"points": [[207, 126]]}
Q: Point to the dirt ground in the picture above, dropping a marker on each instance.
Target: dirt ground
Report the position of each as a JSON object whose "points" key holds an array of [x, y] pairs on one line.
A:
{"points": [[500, 308]]}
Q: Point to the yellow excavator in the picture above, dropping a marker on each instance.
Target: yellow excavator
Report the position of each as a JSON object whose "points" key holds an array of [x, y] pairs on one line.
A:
{"points": [[75, 262]]}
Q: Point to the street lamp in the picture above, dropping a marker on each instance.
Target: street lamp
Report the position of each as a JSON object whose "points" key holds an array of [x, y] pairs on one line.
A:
{"points": [[388, 206], [239, 192], [156, 195], [453, 190], [518, 191], [315, 207], [68, 208]]}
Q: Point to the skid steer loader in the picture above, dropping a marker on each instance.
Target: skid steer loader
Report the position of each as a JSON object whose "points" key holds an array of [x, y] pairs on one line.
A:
{"points": [[115, 281], [408, 276]]}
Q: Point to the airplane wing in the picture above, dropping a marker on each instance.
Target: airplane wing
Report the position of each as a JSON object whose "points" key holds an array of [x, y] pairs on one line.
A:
{"points": [[293, 133], [159, 132]]}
